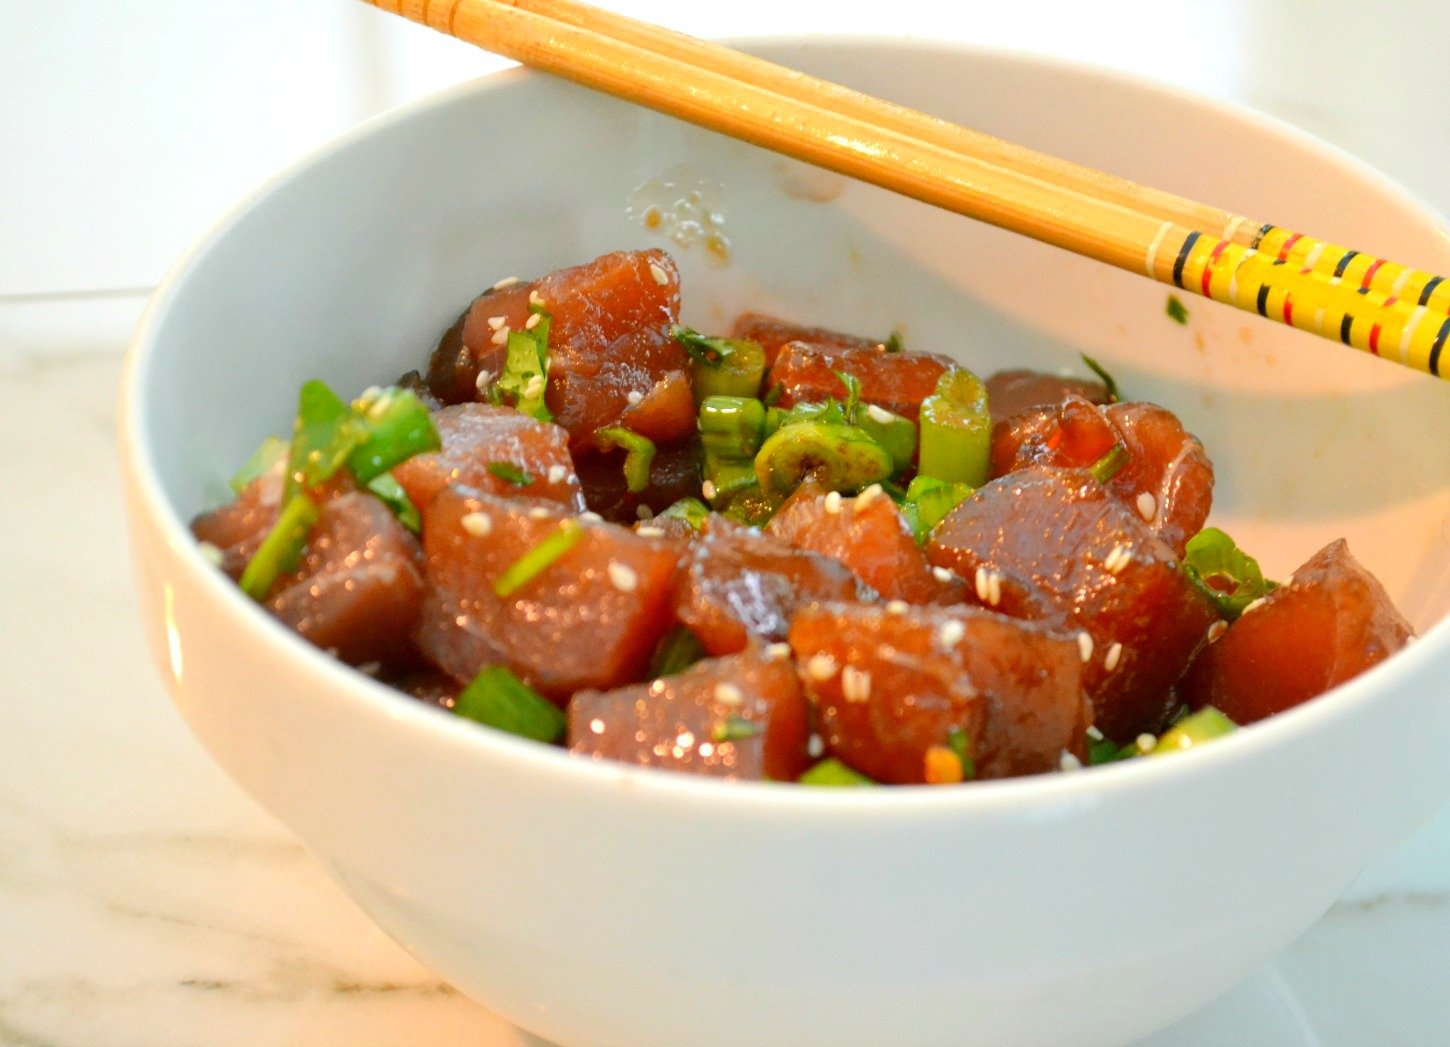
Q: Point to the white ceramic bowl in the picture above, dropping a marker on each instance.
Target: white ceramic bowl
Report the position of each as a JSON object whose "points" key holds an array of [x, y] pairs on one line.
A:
{"points": [[608, 905]]}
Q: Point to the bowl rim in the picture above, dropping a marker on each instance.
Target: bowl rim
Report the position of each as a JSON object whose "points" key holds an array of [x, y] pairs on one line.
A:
{"points": [[151, 509]]}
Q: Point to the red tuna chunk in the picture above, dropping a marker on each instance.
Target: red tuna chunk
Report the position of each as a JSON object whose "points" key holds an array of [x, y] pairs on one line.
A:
{"points": [[772, 334], [1012, 392], [1053, 545], [1329, 623], [590, 619], [898, 382], [888, 687], [674, 473], [739, 717]]}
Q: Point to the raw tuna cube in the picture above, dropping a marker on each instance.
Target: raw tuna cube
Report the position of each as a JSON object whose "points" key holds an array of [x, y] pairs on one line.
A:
{"points": [[898, 382], [673, 474], [665, 412], [590, 619], [359, 587], [888, 687], [1053, 545], [773, 333], [1330, 622], [1012, 392], [868, 534], [238, 527], [430, 687], [477, 436], [1167, 480], [738, 584], [740, 717]]}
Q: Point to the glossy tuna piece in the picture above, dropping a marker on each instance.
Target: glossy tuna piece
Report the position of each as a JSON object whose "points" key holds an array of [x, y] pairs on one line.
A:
{"points": [[476, 437], [1015, 391], [898, 382], [238, 528], [738, 584], [674, 474], [887, 687], [590, 619], [1167, 480], [773, 333], [739, 717], [1053, 545], [868, 534], [359, 587], [1329, 623]]}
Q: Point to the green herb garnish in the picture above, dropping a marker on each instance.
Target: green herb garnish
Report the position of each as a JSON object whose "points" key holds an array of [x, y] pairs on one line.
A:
{"points": [[391, 493], [639, 454], [833, 772], [1176, 310], [1109, 382], [957, 743], [711, 352], [928, 501], [735, 729], [325, 434], [1195, 729], [397, 425], [693, 511], [510, 473], [677, 651], [281, 550], [264, 459], [1224, 573], [1107, 467], [893, 342], [499, 699], [956, 430], [539, 559], [852, 403], [526, 368], [722, 366]]}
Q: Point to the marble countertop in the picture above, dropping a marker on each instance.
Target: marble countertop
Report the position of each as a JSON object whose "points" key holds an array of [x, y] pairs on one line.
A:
{"points": [[143, 898]]}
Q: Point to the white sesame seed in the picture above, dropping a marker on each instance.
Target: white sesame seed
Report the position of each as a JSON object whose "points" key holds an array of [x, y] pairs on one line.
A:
{"points": [[210, 553], [1110, 660], [477, 524], [481, 382], [685, 740], [778, 652], [896, 606], [706, 750], [815, 747], [868, 496], [497, 322], [1145, 742], [1216, 630], [500, 337], [507, 281], [1254, 605], [728, 694], [650, 532], [855, 684], [591, 517], [1116, 560], [557, 473], [1069, 762], [1093, 733], [622, 577], [657, 271], [941, 574], [1085, 646], [950, 633], [878, 414], [535, 298], [820, 667], [708, 490], [534, 387], [832, 502], [634, 397], [596, 725], [1147, 507], [994, 588], [980, 581], [532, 321], [643, 512]]}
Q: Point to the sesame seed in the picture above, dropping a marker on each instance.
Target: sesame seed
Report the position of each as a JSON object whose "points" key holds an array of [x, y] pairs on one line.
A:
{"points": [[778, 652], [1093, 733], [623, 577], [538, 512], [878, 414], [708, 490], [501, 336], [1069, 762], [481, 382], [210, 553], [950, 633], [706, 750], [557, 473], [728, 694], [596, 725], [650, 532], [589, 516], [1254, 605], [896, 606], [534, 387], [941, 574], [855, 684], [685, 739], [497, 323], [868, 496], [1085, 646], [507, 281], [1147, 507], [532, 321], [658, 272], [634, 397], [994, 588], [981, 583], [1110, 660], [832, 502], [815, 747], [643, 512], [1216, 630], [535, 298], [1145, 742], [477, 524], [820, 667], [1117, 559]]}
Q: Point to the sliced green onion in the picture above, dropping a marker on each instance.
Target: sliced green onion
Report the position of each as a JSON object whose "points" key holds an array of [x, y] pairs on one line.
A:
{"points": [[693, 511], [852, 403], [833, 772], [1227, 575], [928, 501], [399, 426], [745, 502], [499, 699], [1176, 310], [677, 651], [282, 549], [957, 742], [722, 366], [525, 371], [1104, 750], [893, 342], [773, 394], [731, 427], [391, 493], [711, 352], [325, 434], [539, 559], [891, 431], [956, 430], [735, 729], [264, 459], [510, 473], [1107, 467], [1108, 380], [639, 454], [1196, 729], [840, 457]]}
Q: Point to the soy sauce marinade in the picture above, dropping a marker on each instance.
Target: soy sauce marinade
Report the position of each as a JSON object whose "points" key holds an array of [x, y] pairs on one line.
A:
{"points": [[786, 553]]}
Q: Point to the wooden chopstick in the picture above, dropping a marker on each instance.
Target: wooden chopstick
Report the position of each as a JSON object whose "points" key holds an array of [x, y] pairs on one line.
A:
{"points": [[1308, 284]]}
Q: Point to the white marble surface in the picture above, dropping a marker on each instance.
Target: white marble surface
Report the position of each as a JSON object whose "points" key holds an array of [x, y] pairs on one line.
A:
{"points": [[143, 899]]}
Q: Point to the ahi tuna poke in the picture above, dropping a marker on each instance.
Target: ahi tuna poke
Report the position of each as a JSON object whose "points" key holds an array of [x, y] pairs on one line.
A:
{"points": [[777, 553]]}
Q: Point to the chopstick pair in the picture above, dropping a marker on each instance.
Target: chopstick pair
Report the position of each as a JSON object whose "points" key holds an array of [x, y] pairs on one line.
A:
{"points": [[1365, 302]]}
